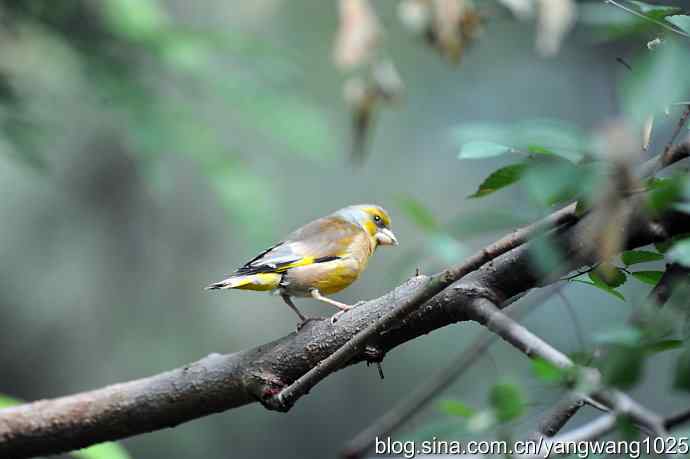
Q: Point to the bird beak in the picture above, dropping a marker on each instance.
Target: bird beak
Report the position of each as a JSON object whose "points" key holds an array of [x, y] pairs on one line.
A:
{"points": [[386, 237]]}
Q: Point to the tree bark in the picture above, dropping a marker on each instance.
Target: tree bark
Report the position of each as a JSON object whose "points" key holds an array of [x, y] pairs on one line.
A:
{"points": [[221, 382]]}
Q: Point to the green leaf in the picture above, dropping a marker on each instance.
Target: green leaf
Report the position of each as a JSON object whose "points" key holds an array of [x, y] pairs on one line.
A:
{"points": [[500, 178], [627, 336], [664, 246], [648, 277], [681, 378], [681, 21], [627, 428], [539, 150], [614, 23], [664, 193], [455, 408], [680, 252], [603, 287], [7, 401], [486, 132], [660, 79], [633, 257], [682, 207], [107, 450], [551, 180], [539, 136], [623, 366], [417, 212], [654, 11], [583, 358], [507, 401], [481, 149], [615, 278], [582, 207], [663, 345], [553, 136], [547, 371], [136, 19]]}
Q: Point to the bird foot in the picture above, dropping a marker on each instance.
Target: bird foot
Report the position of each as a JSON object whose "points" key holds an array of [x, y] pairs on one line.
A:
{"points": [[336, 316]]}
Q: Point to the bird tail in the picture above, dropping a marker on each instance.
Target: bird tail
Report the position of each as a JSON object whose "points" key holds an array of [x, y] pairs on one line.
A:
{"points": [[261, 281]]}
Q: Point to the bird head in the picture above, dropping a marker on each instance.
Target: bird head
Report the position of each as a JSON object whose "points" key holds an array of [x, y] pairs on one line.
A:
{"points": [[372, 219]]}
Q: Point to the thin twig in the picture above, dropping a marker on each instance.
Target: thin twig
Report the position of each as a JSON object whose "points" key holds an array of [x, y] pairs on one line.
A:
{"points": [[573, 317], [406, 408], [588, 432], [489, 315], [647, 18], [593, 430], [679, 127]]}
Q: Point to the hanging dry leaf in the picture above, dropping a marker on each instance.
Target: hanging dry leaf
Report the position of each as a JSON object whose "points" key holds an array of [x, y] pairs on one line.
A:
{"points": [[416, 15], [387, 80], [455, 24], [363, 97], [358, 34], [447, 25], [555, 19], [647, 132], [522, 9], [605, 231], [447, 19]]}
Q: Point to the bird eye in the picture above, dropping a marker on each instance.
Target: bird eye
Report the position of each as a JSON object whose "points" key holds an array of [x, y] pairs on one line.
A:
{"points": [[378, 221], [377, 218]]}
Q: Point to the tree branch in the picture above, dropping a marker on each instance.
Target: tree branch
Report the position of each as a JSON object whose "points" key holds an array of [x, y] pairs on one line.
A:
{"points": [[558, 416], [404, 410], [221, 382], [489, 315]]}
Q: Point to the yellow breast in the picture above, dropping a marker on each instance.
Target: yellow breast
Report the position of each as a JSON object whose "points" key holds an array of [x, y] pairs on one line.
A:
{"points": [[332, 276]]}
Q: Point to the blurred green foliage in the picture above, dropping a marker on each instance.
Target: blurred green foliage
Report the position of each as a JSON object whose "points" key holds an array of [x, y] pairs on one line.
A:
{"points": [[154, 79]]}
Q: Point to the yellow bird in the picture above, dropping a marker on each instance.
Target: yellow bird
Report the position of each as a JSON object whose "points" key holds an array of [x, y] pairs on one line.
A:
{"points": [[320, 258]]}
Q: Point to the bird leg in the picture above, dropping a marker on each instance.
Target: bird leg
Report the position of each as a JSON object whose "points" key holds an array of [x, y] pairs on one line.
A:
{"points": [[342, 306], [317, 296], [289, 302]]}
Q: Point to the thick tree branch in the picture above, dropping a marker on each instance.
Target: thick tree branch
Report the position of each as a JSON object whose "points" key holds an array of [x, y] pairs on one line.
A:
{"points": [[219, 382]]}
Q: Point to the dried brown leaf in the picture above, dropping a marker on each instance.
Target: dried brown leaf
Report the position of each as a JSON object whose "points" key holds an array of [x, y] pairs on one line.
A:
{"points": [[555, 19], [358, 35]]}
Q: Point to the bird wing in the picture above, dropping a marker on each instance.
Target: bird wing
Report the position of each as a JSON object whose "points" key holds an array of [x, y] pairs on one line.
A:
{"points": [[322, 240]]}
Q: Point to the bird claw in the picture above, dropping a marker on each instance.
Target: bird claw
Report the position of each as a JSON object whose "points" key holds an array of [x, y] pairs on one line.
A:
{"points": [[336, 316]]}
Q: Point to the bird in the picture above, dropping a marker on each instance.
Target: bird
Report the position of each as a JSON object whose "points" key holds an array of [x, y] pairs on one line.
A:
{"points": [[321, 258]]}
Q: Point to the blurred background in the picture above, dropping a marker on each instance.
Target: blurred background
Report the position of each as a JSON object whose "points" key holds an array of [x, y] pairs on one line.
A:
{"points": [[148, 148]]}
